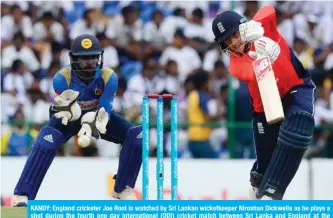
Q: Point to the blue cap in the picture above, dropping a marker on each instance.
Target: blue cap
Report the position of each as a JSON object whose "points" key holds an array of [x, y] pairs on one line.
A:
{"points": [[226, 24], [86, 45]]}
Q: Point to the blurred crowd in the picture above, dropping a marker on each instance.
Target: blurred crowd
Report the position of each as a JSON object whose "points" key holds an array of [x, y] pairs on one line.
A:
{"points": [[154, 47]]}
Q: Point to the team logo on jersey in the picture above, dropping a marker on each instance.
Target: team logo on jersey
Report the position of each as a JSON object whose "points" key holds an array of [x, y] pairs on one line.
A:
{"points": [[98, 91], [86, 43]]}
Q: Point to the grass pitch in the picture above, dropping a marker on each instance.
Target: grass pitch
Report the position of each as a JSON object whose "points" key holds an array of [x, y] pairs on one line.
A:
{"points": [[14, 212]]}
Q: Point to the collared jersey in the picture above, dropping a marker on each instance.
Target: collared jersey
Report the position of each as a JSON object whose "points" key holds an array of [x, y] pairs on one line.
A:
{"points": [[288, 70], [94, 95]]}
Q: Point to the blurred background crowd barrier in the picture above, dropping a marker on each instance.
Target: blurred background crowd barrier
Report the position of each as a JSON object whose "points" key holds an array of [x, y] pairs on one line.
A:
{"points": [[154, 47]]}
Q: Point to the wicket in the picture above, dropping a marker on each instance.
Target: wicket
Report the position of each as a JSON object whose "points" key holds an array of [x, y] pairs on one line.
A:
{"points": [[160, 147]]}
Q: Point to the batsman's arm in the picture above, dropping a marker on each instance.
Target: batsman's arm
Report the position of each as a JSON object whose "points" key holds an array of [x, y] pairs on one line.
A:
{"points": [[109, 92]]}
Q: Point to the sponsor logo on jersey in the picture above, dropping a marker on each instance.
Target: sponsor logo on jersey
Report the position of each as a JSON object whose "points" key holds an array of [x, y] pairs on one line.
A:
{"points": [[88, 105]]}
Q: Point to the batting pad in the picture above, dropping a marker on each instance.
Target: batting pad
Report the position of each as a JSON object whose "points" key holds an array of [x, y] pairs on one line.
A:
{"points": [[38, 162], [294, 138], [130, 159]]}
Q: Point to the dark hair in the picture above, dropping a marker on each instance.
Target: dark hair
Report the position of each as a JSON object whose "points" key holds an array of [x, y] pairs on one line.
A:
{"points": [[157, 11], [19, 35], [127, 9], [122, 83], [179, 12], [197, 12], [17, 63], [101, 36], [54, 63], [218, 63], [56, 47], [179, 32], [200, 79], [15, 7], [87, 12], [171, 62], [47, 15]]}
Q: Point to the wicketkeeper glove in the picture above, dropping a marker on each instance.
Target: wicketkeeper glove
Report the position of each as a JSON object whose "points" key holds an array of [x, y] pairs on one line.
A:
{"points": [[94, 123], [265, 47], [66, 106]]}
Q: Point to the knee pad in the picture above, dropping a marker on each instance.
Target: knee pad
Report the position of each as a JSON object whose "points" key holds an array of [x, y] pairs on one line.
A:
{"points": [[130, 159], [296, 131], [294, 138], [38, 162]]}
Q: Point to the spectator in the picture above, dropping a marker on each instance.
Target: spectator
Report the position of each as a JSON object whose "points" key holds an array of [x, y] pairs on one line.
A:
{"points": [[16, 142], [87, 25], [202, 108], [19, 51], [173, 22], [18, 80], [110, 52], [186, 57], [217, 78], [48, 29], [304, 53], [153, 35], [212, 56], [152, 30], [313, 29], [15, 22], [122, 29], [285, 26], [46, 84], [138, 86], [34, 109], [197, 30], [168, 80]]}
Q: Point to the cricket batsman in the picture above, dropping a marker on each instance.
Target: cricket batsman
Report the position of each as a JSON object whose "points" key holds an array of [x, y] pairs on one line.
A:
{"points": [[280, 146], [83, 106]]}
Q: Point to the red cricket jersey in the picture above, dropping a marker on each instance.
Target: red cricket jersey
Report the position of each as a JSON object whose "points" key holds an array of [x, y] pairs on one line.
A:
{"points": [[287, 68]]}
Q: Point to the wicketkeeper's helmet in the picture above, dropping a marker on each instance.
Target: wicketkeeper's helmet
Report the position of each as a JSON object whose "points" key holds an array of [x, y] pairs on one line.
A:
{"points": [[88, 47]]}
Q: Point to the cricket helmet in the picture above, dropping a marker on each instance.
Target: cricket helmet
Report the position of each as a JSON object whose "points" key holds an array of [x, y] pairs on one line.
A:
{"points": [[225, 25], [86, 56]]}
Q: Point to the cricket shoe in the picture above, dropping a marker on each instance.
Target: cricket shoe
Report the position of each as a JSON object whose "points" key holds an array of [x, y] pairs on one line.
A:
{"points": [[265, 197], [126, 194], [20, 201], [253, 192]]}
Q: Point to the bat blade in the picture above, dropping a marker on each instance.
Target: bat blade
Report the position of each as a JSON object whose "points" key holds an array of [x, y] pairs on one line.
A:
{"points": [[268, 89]]}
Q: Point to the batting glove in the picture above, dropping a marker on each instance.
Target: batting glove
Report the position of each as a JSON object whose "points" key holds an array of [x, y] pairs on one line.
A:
{"points": [[251, 30], [265, 47]]}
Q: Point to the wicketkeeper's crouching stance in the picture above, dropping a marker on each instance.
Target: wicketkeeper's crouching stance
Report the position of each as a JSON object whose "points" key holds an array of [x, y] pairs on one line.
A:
{"points": [[83, 107], [280, 146]]}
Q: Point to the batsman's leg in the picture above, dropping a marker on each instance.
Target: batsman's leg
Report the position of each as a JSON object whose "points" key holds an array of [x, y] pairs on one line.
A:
{"points": [[40, 157], [121, 131], [265, 139], [294, 138]]}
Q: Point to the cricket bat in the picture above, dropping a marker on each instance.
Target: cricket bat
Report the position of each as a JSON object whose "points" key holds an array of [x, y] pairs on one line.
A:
{"points": [[268, 89]]}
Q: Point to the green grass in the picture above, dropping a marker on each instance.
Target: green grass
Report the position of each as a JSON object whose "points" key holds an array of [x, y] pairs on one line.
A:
{"points": [[14, 212]]}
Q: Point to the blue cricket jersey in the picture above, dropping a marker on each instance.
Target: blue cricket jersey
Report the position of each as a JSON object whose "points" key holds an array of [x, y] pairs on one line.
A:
{"points": [[96, 94]]}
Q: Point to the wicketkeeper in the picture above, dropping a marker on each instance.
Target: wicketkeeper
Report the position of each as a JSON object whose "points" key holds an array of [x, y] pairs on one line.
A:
{"points": [[83, 106]]}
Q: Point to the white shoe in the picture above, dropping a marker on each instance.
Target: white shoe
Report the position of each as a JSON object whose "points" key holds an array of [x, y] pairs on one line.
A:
{"points": [[265, 197], [20, 201], [126, 194], [253, 192]]}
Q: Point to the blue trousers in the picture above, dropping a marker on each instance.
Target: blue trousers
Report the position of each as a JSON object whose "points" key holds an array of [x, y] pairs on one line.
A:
{"points": [[300, 98]]}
